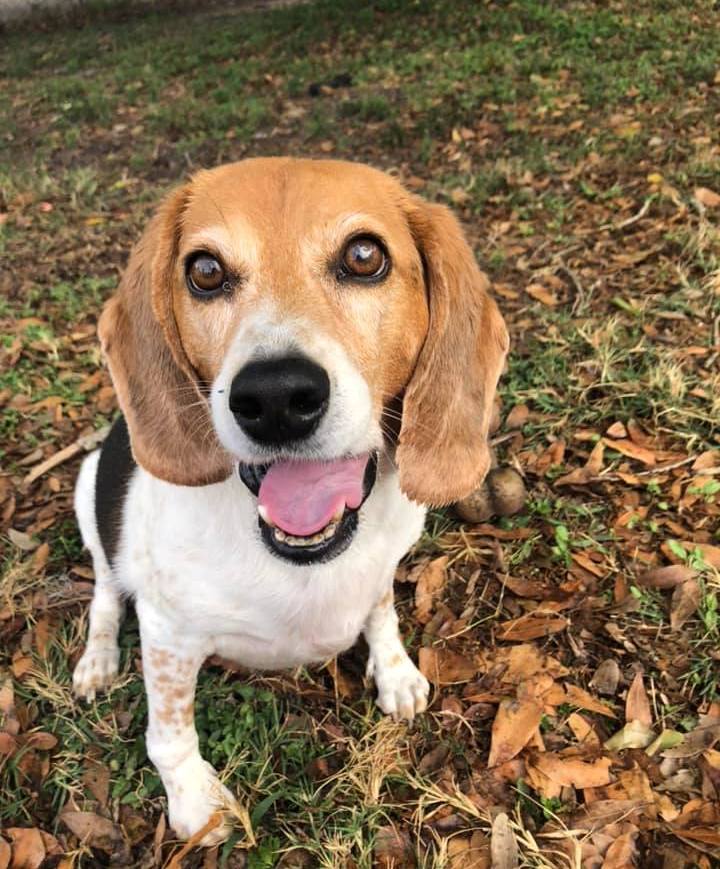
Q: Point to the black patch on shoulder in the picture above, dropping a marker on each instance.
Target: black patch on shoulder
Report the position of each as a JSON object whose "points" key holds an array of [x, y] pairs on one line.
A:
{"points": [[114, 470]]}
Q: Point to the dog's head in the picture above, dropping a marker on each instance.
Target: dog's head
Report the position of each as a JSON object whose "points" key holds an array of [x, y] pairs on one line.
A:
{"points": [[291, 318]]}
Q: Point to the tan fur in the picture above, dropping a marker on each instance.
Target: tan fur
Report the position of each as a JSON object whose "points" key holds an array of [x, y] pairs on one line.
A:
{"points": [[279, 224], [443, 452]]}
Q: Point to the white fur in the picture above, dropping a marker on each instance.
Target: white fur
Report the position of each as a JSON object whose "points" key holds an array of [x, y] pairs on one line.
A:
{"points": [[204, 582]]}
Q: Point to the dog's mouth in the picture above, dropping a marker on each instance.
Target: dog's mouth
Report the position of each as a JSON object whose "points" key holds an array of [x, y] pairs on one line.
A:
{"points": [[308, 510]]}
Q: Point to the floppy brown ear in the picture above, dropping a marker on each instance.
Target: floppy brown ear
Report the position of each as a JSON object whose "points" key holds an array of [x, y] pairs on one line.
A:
{"points": [[443, 452], [171, 432]]}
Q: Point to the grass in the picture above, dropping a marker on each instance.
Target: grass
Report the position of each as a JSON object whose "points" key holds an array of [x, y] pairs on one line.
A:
{"points": [[569, 138]]}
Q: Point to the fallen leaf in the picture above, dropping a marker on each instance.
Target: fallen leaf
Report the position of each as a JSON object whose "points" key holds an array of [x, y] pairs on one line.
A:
{"points": [[514, 725], [504, 853], [632, 450], [606, 678], [700, 834], [685, 600], [93, 829], [22, 540], [580, 698], [96, 778], [708, 459], [28, 850], [621, 853], [637, 705], [710, 554], [696, 742], [582, 729], [573, 772], [517, 417], [707, 197], [666, 577], [532, 626], [443, 667], [429, 585], [393, 849], [541, 294], [635, 734], [667, 739]]}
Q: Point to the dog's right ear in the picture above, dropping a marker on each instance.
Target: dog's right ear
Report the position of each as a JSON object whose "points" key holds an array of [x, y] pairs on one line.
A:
{"points": [[167, 411]]}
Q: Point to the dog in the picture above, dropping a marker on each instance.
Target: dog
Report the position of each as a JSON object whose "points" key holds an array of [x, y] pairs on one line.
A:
{"points": [[305, 355]]}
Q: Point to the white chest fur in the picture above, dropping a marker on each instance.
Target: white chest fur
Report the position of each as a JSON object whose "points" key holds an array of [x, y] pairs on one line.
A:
{"points": [[196, 555]]}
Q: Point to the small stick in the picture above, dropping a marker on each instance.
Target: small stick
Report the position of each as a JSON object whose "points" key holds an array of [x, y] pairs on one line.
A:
{"points": [[86, 442]]}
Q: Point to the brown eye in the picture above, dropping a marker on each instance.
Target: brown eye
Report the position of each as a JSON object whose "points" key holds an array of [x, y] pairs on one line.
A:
{"points": [[364, 257], [205, 275]]}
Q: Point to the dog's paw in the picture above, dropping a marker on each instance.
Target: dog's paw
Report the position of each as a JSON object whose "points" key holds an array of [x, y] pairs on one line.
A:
{"points": [[96, 670], [195, 795], [402, 688]]}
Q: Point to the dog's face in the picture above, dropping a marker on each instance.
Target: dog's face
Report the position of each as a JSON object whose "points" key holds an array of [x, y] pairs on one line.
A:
{"points": [[293, 318]]}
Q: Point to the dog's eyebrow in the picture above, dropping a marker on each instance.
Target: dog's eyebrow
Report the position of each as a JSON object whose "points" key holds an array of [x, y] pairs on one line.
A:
{"points": [[231, 246]]}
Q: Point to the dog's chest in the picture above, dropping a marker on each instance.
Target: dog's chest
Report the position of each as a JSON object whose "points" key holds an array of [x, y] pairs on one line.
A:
{"points": [[202, 564]]}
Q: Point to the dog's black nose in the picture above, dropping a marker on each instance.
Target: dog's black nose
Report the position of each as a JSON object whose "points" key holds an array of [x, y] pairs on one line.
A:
{"points": [[279, 400]]}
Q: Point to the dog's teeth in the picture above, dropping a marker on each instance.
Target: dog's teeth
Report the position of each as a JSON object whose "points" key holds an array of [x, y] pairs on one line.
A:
{"points": [[329, 531], [280, 535], [338, 513], [262, 511]]}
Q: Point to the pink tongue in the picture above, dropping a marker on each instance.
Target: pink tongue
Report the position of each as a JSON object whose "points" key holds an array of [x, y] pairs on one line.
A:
{"points": [[302, 497]]}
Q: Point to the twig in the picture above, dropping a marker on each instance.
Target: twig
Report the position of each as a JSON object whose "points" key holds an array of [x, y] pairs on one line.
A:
{"points": [[86, 442], [710, 361], [614, 478], [634, 219]]}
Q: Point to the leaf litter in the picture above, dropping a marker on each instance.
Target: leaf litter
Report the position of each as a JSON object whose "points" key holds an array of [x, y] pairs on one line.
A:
{"points": [[573, 649]]}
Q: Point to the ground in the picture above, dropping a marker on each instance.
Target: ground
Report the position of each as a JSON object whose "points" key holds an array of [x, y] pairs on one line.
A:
{"points": [[578, 142]]}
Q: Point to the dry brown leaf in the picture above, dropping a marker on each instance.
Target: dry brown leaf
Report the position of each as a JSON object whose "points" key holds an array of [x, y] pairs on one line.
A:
{"points": [[96, 779], [514, 725], [666, 577], [541, 294], [632, 451], [532, 626], [637, 705], [573, 772], [606, 678], [517, 417], [617, 430], [429, 585], [93, 829], [40, 740], [393, 849], [580, 698], [28, 850], [708, 459], [504, 853], [582, 730], [443, 667], [685, 600], [700, 834], [708, 198], [696, 742], [709, 553], [621, 854], [519, 663]]}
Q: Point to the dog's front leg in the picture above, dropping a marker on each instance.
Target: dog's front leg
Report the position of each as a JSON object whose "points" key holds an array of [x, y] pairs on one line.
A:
{"points": [[172, 658], [402, 688]]}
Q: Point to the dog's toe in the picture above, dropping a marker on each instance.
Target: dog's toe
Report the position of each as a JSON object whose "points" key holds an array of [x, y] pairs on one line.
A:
{"points": [[96, 670], [402, 688]]}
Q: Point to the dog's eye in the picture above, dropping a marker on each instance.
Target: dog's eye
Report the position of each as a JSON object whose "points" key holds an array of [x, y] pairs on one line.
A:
{"points": [[364, 257], [205, 275]]}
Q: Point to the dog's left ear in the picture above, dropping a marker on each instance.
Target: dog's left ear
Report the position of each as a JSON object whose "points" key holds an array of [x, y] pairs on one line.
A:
{"points": [[443, 452]]}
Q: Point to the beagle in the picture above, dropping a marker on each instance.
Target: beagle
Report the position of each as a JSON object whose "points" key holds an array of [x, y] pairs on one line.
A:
{"points": [[304, 354]]}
